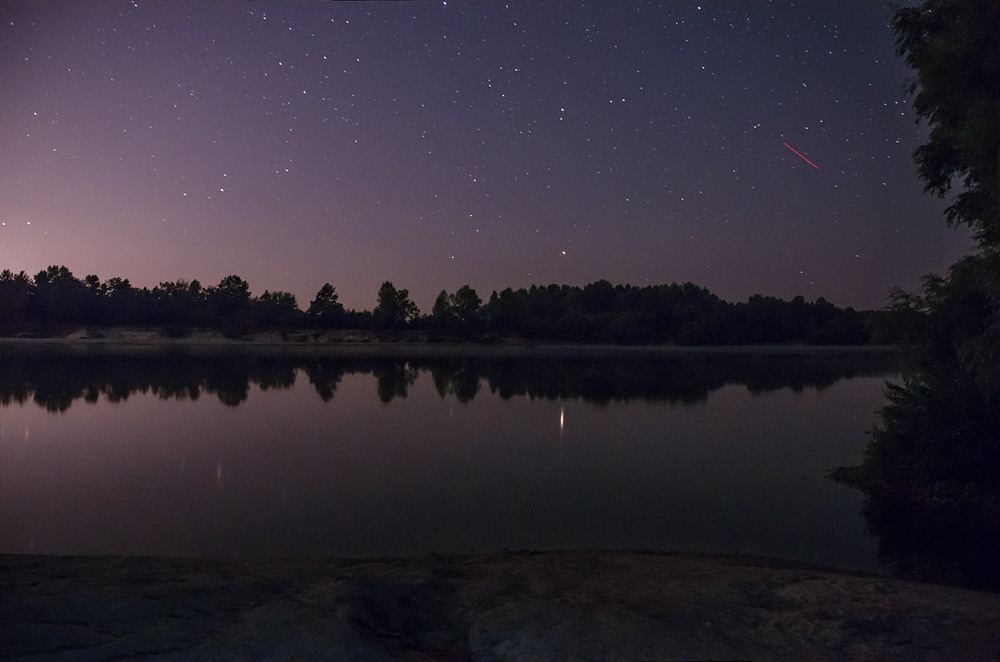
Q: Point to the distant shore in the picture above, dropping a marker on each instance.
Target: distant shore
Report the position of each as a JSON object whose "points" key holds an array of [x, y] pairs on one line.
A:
{"points": [[354, 342], [523, 605]]}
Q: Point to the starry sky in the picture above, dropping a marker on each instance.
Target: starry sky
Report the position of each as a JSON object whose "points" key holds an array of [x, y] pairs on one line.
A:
{"points": [[437, 144]]}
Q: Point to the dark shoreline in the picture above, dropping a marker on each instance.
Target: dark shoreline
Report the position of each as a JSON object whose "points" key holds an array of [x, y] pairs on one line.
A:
{"points": [[350, 344], [520, 605]]}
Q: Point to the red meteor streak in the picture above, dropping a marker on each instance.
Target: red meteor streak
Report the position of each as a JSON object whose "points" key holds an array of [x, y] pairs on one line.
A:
{"points": [[802, 157]]}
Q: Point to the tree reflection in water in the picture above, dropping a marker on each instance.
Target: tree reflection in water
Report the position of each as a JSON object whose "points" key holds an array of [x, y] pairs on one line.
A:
{"points": [[55, 378]]}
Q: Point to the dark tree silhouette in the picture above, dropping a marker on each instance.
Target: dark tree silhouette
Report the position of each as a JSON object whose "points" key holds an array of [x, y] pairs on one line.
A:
{"points": [[14, 292], [598, 313], [276, 309], [325, 309], [178, 306], [466, 304], [954, 48], [60, 298], [935, 455], [458, 312], [230, 302], [394, 307], [233, 289]]}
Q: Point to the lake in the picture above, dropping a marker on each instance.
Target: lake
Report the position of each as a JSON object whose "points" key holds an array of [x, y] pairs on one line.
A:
{"points": [[365, 452]]}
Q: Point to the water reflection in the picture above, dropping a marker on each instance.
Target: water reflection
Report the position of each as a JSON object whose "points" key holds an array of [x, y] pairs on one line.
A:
{"points": [[474, 452], [55, 378]]}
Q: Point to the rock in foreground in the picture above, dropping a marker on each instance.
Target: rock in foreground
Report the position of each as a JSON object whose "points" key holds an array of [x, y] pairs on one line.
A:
{"points": [[554, 605]]}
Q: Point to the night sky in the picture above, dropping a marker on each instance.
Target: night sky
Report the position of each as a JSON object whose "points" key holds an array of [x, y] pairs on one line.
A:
{"points": [[439, 144]]}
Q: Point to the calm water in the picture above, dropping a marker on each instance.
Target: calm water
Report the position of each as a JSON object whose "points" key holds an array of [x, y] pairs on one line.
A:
{"points": [[300, 456]]}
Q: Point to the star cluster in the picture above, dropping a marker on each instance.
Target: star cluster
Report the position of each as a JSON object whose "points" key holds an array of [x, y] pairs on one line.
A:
{"points": [[439, 144]]}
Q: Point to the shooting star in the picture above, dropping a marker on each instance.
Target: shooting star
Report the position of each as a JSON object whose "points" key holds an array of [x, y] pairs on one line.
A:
{"points": [[800, 156]]}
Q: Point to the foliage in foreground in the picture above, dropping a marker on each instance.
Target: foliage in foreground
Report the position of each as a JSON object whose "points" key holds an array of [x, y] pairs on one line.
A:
{"points": [[943, 424], [932, 469]]}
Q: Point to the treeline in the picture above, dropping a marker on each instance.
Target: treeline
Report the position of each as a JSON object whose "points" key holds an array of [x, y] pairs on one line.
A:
{"points": [[54, 299]]}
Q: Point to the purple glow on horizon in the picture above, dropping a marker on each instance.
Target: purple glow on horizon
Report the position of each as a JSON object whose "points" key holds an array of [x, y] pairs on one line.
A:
{"points": [[436, 145]]}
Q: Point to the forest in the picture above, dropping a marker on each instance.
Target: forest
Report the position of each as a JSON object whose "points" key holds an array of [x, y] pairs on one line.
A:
{"points": [[54, 301]]}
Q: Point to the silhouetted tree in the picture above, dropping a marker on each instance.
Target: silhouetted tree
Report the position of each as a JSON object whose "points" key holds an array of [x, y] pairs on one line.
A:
{"points": [[119, 301], [232, 289], [458, 312], [60, 298], [179, 305], [937, 445], [230, 300], [506, 310], [954, 48], [599, 297], [15, 290], [394, 307], [276, 309], [466, 304], [325, 310], [599, 312]]}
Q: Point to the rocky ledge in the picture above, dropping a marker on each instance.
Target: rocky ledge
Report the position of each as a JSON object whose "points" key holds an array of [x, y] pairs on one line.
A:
{"points": [[553, 605]]}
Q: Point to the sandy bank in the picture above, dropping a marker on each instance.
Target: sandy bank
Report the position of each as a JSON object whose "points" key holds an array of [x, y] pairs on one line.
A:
{"points": [[507, 606], [403, 344]]}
